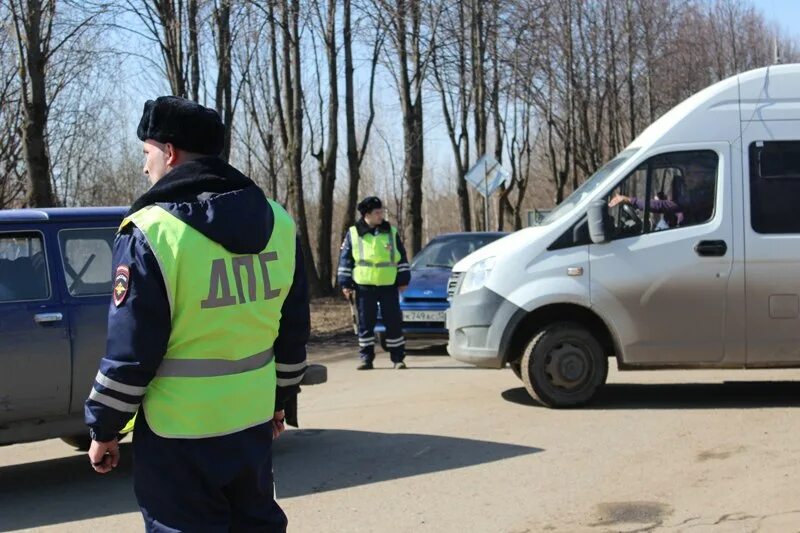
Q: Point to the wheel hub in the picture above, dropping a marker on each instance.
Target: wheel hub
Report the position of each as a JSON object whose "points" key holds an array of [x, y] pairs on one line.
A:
{"points": [[567, 366]]}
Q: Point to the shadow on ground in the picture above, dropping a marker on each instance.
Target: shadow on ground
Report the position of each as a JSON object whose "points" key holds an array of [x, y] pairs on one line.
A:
{"points": [[59, 491], [730, 394], [63, 490], [311, 461]]}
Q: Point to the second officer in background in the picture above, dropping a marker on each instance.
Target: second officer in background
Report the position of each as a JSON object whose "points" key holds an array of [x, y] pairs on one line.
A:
{"points": [[373, 265]]}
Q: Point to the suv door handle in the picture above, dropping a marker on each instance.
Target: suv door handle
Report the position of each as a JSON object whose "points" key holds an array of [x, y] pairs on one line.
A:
{"points": [[711, 248], [46, 318]]}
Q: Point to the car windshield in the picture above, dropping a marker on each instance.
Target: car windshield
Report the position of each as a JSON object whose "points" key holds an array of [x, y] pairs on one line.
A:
{"points": [[588, 187], [444, 253]]}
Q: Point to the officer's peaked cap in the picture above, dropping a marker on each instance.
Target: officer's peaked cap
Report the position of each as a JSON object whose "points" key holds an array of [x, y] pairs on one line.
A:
{"points": [[184, 123]]}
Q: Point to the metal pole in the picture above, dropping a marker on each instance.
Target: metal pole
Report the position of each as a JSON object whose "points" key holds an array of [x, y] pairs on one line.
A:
{"points": [[486, 196]]}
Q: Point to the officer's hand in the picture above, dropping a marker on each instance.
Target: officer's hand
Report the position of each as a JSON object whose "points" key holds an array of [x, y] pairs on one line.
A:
{"points": [[402, 289], [347, 293], [278, 424], [104, 456]]}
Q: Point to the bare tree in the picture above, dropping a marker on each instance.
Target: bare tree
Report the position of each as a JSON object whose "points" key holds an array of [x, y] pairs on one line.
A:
{"points": [[329, 142], [173, 26], [450, 59], [411, 35], [289, 109], [39, 41], [260, 113], [224, 100], [355, 154], [12, 172]]}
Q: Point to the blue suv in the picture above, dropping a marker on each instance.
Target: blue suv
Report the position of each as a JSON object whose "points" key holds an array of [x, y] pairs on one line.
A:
{"points": [[425, 301]]}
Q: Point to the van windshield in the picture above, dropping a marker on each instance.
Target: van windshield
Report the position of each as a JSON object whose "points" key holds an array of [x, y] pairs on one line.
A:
{"points": [[588, 187]]}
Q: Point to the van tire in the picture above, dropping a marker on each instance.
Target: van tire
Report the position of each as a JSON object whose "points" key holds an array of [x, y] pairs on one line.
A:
{"points": [[564, 365], [516, 368]]}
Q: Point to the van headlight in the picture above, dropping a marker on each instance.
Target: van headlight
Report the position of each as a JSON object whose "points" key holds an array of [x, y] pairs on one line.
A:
{"points": [[477, 275]]}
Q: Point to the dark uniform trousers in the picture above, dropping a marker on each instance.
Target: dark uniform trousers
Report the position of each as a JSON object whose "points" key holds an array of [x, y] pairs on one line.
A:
{"points": [[367, 299], [216, 484]]}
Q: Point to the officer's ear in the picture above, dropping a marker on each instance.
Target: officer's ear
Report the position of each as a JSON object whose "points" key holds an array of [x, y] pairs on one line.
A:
{"points": [[172, 154]]}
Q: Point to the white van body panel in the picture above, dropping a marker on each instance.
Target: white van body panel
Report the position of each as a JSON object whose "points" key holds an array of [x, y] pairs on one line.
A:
{"points": [[769, 94], [546, 282], [772, 263]]}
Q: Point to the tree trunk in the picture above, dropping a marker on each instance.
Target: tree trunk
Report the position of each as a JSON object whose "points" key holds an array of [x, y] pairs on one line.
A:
{"points": [[294, 110], [353, 166], [194, 51], [411, 103], [355, 155], [223, 99], [328, 159], [32, 45]]}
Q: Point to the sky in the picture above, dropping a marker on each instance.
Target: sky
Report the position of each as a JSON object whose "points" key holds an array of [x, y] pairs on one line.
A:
{"points": [[786, 12]]}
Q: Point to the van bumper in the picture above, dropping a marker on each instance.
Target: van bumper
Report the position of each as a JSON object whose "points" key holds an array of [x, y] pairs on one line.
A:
{"points": [[480, 324]]}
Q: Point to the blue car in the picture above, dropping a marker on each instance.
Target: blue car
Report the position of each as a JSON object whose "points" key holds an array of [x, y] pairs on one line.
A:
{"points": [[425, 301]]}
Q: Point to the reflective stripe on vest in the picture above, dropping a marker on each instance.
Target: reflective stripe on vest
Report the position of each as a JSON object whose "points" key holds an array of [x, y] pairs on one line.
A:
{"points": [[375, 260], [218, 375], [206, 368]]}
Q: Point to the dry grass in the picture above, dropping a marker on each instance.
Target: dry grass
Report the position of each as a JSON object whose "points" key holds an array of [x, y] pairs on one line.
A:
{"points": [[330, 317]]}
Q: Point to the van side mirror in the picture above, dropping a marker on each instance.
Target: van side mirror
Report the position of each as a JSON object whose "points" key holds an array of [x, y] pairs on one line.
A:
{"points": [[599, 221]]}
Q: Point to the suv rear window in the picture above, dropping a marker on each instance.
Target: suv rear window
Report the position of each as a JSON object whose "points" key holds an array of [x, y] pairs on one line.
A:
{"points": [[87, 260]]}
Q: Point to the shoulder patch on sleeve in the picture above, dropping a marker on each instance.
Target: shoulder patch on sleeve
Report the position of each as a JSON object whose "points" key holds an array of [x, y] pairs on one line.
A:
{"points": [[122, 281]]}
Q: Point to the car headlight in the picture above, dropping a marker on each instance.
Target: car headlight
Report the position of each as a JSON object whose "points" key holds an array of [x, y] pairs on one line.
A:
{"points": [[477, 275]]}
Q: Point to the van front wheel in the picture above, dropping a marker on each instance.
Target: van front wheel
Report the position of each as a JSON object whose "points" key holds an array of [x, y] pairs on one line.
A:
{"points": [[564, 365]]}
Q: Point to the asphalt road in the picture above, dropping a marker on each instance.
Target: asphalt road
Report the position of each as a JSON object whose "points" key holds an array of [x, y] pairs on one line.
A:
{"points": [[446, 447]]}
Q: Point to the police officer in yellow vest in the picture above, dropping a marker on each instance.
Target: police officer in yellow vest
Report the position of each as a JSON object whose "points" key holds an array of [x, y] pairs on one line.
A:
{"points": [[373, 264], [206, 333]]}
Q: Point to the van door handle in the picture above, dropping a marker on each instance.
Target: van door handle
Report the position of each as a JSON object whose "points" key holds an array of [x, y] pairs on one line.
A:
{"points": [[46, 318], [711, 248]]}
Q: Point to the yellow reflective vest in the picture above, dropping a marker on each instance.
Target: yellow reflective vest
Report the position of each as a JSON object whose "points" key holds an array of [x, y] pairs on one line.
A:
{"points": [[218, 375], [376, 257]]}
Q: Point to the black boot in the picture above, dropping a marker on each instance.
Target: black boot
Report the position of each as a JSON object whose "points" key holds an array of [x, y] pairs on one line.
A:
{"points": [[365, 366]]}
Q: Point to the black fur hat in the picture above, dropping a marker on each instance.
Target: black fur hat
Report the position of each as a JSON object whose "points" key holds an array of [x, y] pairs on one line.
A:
{"points": [[369, 204], [184, 123]]}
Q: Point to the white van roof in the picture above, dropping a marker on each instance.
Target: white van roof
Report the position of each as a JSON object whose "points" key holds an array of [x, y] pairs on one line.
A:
{"points": [[715, 114]]}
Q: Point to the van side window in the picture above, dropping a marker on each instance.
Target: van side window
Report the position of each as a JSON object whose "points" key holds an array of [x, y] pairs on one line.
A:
{"points": [[87, 260], [774, 186], [668, 191], [23, 268]]}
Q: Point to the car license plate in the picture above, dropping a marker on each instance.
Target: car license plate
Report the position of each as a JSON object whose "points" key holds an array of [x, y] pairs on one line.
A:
{"points": [[423, 316]]}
